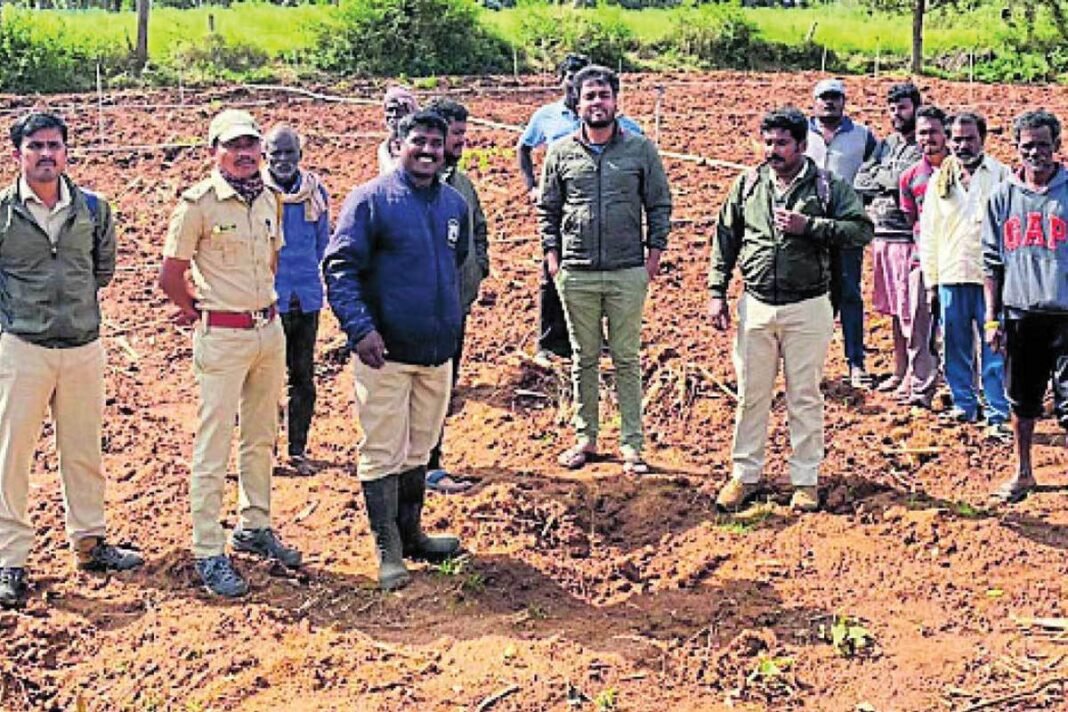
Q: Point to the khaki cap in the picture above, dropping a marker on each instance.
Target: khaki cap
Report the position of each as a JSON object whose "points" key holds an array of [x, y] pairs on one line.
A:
{"points": [[230, 124]]}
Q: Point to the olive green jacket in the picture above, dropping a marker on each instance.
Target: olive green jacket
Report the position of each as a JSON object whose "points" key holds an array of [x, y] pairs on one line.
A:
{"points": [[591, 204], [476, 266], [48, 295], [778, 268]]}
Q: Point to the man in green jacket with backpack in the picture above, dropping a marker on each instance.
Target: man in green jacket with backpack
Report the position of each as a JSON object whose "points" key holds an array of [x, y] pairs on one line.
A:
{"points": [[778, 225], [57, 249]]}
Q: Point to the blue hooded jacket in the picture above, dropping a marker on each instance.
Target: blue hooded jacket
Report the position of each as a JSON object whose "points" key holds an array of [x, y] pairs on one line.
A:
{"points": [[1025, 238], [391, 266]]}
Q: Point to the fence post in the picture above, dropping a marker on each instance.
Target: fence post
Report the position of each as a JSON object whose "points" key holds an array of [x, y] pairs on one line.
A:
{"points": [[656, 113], [99, 105]]}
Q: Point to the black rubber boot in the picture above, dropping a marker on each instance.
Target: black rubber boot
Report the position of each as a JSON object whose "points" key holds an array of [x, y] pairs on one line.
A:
{"points": [[381, 498], [418, 545]]}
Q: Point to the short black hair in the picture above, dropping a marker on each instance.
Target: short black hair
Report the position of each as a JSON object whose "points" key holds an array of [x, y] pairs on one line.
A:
{"points": [[425, 119], [571, 64], [32, 123], [905, 90], [596, 73], [931, 112], [447, 109], [970, 117], [1032, 120], [788, 117]]}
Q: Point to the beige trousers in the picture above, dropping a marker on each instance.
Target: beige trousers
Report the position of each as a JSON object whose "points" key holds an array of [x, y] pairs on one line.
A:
{"points": [[240, 373], [798, 335], [69, 382], [401, 409]]}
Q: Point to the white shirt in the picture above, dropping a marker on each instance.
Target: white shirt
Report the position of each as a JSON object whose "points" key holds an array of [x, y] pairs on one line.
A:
{"points": [[50, 219], [950, 227]]}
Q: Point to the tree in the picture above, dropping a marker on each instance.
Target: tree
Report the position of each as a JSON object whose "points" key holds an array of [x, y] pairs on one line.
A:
{"points": [[141, 50]]}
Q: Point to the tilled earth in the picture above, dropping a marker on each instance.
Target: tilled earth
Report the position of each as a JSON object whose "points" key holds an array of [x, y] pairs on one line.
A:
{"points": [[589, 590]]}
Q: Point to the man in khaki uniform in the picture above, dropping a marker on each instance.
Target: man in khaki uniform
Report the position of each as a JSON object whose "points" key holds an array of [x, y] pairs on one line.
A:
{"points": [[57, 249], [226, 231]]}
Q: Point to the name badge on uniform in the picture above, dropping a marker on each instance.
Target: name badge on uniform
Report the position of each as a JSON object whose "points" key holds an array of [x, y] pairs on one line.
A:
{"points": [[453, 235], [220, 229]]}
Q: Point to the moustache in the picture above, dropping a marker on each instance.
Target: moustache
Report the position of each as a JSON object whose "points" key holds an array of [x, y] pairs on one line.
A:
{"points": [[776, 159]]}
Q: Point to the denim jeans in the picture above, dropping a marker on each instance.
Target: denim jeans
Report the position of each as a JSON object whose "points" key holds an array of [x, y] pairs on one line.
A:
{"points": [[963, 310]]}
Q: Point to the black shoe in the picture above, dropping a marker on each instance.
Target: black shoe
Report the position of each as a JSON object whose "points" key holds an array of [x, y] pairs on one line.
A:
{"points": [[381, 498], [417, 545], [95, 554], [264, 542], [13, 587]]}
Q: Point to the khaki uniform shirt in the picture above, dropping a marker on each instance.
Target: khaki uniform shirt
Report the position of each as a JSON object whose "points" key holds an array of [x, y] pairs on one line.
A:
{"points": [[50, 220], [230, 243]]}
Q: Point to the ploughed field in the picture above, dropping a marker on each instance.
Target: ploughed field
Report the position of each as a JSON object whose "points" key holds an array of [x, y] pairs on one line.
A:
{"points": [[586, 590]]}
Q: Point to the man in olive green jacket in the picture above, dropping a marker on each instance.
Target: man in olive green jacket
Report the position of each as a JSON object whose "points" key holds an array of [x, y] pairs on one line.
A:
{"points": [[778, 224], [475, 268], [57, 248], [594, 186]]}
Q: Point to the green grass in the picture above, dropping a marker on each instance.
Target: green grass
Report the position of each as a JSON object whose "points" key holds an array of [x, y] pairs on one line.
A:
{"points": [[275, 29]]}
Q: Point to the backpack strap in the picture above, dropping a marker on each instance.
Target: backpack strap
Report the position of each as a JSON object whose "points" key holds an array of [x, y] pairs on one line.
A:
{"points": [[749, 183]]}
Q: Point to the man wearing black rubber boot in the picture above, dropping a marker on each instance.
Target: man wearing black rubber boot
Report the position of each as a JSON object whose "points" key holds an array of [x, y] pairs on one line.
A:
{"points": [[392, 280]]}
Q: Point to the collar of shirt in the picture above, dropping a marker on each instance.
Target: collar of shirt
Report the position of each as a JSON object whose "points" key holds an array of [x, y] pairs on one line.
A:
{"points": [[845, 126], [223, 190], [30, 196], [776, 184]]}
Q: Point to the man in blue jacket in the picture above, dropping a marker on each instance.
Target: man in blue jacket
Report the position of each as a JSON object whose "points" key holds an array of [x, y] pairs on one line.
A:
{"points": [[306, 226], [392, 281], [1025, 263]]}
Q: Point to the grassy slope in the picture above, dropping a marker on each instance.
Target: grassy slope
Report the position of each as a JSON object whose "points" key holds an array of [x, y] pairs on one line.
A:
{"points": [[843, 27]]}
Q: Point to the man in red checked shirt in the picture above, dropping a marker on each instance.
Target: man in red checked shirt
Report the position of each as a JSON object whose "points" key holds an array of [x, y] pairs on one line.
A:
{"points": [[915, 366]]}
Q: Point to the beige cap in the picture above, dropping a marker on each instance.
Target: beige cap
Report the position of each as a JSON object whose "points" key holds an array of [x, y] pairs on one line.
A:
{"points": [[231, 124]]}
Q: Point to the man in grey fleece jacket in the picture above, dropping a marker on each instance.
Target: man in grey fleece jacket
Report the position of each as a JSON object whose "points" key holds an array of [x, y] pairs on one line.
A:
{"points": [[1025, 265]]}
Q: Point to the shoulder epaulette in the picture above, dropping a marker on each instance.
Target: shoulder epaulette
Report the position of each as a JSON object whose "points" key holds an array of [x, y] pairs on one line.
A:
{"points": [[197, 191]]}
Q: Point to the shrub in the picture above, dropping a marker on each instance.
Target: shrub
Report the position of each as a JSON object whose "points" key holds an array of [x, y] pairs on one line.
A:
{"points": [[414, 37], [33, 60], [549, 32], [713, 36], [217, 58]]}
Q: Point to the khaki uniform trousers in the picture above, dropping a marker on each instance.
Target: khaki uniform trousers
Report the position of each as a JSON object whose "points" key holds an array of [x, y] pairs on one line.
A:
{"points": [[240, 373], [401, 409], [69, 382], [798, 335]]}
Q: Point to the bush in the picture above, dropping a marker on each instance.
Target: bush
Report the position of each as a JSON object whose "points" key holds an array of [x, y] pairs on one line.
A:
{"points": [[32, 60], [217, 58], [712, 36], [717, 37], [413, 37], [549, 32]]}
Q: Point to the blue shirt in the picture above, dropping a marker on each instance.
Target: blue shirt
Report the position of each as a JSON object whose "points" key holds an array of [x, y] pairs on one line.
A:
{"points": [[300, 257], [554, 121]]}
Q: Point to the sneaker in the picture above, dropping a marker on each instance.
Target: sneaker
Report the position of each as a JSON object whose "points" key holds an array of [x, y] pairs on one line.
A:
{"points": [[735, 494], [95, 554], [1015, 489], [265, 543], [220, 577], [13, 587], [956, 415], [805, 499], [999, 432], [543, 359], [859, 378]]}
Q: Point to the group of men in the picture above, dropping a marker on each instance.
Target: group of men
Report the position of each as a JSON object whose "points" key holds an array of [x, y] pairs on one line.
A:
{"points": [[956, 236]]}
